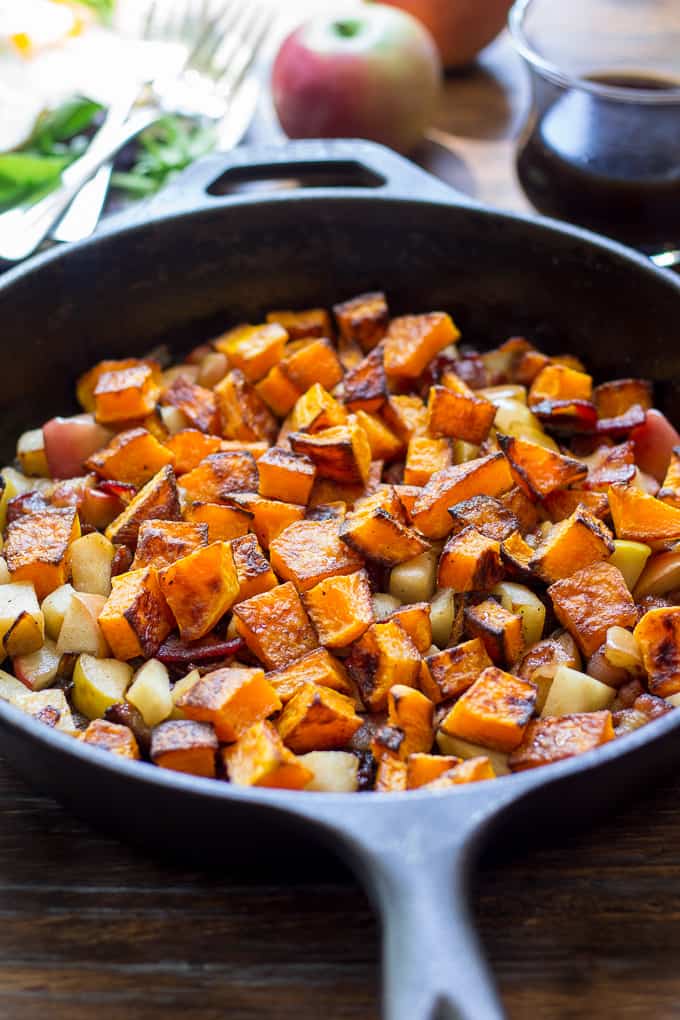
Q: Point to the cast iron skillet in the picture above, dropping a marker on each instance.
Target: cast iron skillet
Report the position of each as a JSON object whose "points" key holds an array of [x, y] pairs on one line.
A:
{"points": [[200, 259]]}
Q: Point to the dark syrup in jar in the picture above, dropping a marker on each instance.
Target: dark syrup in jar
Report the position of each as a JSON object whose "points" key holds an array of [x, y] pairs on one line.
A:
{"points": [[608, 164]]}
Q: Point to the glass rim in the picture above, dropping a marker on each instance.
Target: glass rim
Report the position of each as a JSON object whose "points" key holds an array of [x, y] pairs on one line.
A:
{"points": [[547, 69]]}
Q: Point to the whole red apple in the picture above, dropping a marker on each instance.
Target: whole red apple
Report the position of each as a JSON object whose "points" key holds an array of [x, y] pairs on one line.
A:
{"points": [[369, 71], [460, 28]]}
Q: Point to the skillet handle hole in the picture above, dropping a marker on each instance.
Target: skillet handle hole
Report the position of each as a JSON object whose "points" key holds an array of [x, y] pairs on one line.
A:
{"points": [[293, 176]]}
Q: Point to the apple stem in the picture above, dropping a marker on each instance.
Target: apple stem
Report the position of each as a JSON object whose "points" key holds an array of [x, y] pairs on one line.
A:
{"points": [[347, 28]]}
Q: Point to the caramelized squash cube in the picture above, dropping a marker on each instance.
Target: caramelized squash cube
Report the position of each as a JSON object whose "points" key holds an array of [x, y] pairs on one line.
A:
{"points": [[189, 447], [424, 768], [37, 548], [160, 543], [277, 391], [524, 509], [383, 656], [111, 737], [412, 713], [454, 411], [537, 470], [270, 517], [375, 528], [224, 523], [341, 453], [412, 341], [494, 712], [658, 637], [260, 758], [642, 518], [301, 324], [556, 738], [416, 621], [488, 515], [232, 699], [185, 746], [488, 476], [307, 362], [157, 499], [558, 382], [318, 719], [563, 502], [499, 630], [133, 456], [219, 475], [253, 349], [474, 770], [450, 672], [286, 476], [363, 319], [384, 444], [340, 608], [470, 562], [197, 404], [316, 410], [87, 383], [590, 601], [571, 545], [125, 394], [406, 415], [253, 570], [135, 619], [318, 667], [275, 626], [200, 588], [244, 415], [306, 552], [365, 385], [612, 399], [391, 776], [424, 457]]}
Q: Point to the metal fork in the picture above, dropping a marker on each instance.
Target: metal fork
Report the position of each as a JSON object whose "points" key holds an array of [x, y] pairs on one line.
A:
{"points": [[211, 80]]}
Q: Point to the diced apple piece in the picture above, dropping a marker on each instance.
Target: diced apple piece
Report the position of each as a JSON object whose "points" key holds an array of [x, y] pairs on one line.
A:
{"points": [[99, 683], [630, 558], [5, 576], [54, 609], [334, 771], [91, 559], [384, 605], [70, 441], [80, 630], [13, 483], [442, 613], [49, 706], [465, 749], [31, 453], [39, 669], [517, 598], [26, 635], [415, 580], [572, 691], [10, 687], [180, 688], [150, 692], [16, 599]]}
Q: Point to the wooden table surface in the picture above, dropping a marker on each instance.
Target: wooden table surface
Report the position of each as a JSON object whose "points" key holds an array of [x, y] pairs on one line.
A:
{"points": [[91, 929]]}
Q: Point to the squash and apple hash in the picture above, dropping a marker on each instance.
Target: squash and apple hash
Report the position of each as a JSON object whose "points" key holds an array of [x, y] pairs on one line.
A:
{"points": [[344, 553]]}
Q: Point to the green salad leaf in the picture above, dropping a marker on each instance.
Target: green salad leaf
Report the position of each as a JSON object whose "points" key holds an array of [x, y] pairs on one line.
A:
{"points": [[164, 149], [104, 8]]}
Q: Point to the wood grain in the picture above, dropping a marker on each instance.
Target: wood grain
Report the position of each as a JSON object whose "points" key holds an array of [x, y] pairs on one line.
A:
{"points": [[91, 929]]}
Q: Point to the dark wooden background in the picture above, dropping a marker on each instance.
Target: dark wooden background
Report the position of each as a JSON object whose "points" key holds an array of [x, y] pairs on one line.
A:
{"points": [[91, 929]]}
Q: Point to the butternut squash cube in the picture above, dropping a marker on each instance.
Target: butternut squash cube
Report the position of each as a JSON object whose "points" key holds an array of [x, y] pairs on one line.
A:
{"points": [[157, 499], [466, 750], [499, 630], [571, 545], [109, 736], [488, 476], [658, 636], [224, 523], [311, 361], [612, 399], [232, 699], [412, 341], [474, 770], [670, 488], [306, 552], [275, 626], [556, 738], [524, 509], [639, 517], [416, 621], [135, 619], [413, 713], [200, 588], [341, 453], [424, 457], [563, 502], [384, 444], [161, 543], [376, 528], [253, 349], [133, 456], [316, 410], [270, 517], [363, 319], [253, 570], [197, 404], [590, 601], [450, 672], [406, 415], [455, 411], [494, 712], [318, 719], [286, 476], [318, 667], [424, 768], [537, 470], [277, 391], [470, 562], [365, 386], [87, 382], [383, 656], [488, 515], [391, 776], [260, 758], [37, 548], [558, 382], [340, 608], [304, 323], [189, 447], [244, 414], [125, 394], [219, 475], [185, 746]]}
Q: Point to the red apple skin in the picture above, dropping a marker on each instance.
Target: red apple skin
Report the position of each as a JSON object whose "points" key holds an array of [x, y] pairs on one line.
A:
{"points": [[380, 83], [654, 442], [70, 441], [460, 28]]}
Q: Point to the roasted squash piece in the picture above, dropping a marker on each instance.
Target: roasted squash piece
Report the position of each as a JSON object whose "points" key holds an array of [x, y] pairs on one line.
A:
{"points": [[197, 404], [494, 711], [260, 758], [488, 515], [412, 341], [488, 476], [556, 738], [37, 548], [189, 447], [160, 543], [223, 522], [363, 319], [316, 410], [450, 672], [275, 626], [563, 502], [365, 385], [572, 544], [219, 475], [470, 562], [277, 391], [610, 465], [424, 768], [375, 528], [87, 383], [133, 456], [341, 454], [524, 509], [136, 618], [157, 499], [384, 444], [383, 656], [658, 637], [318, 719], [200, 588], [517, 554], [185, 746], [253, 349], [540, 662], [303, 323], [125, 394], [111, 737], [537, 470], [455, 411], [286, 476], [391, 776], [642, 518], [416, 621], [317, 667], [253, 570], [499, 630], [340, 608], [270, 517], [424, 457], [474, 770], [670, 488], [558, 382], [307, 362], [244, 415], [412, 713], [306, 552], [590, 601], [232, 699], [614, 398], [406, 415]]}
